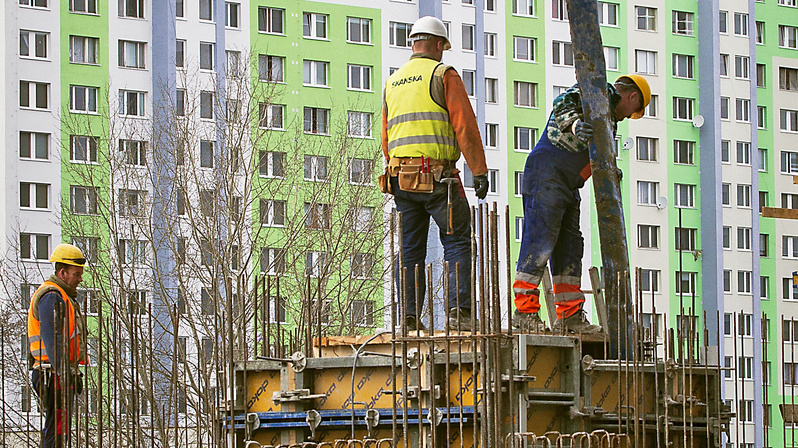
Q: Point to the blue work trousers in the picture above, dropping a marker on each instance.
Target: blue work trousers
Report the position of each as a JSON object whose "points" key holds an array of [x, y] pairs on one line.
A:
{"points": [[416, 209]]}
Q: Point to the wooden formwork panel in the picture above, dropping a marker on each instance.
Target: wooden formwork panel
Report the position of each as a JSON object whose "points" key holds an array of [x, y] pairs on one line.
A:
{"points": [[543, 420], [261, 384], [373, 385], [462, 384], [546, 364], [610, 389]]}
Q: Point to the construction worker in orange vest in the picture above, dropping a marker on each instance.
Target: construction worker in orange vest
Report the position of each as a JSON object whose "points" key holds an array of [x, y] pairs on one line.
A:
{"points": [[57, 337]]}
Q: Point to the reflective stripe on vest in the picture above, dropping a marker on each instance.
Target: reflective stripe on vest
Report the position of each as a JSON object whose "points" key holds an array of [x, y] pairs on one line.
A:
{"points": [[417, 125], [77, 351]]}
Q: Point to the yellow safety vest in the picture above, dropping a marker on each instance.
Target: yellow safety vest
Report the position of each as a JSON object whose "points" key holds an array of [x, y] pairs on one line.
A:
{"points": [[74, 327], [417, 125]]}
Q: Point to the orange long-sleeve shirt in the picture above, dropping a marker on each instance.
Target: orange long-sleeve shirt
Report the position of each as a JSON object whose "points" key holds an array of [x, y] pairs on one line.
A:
{"points": [[464, 122]]}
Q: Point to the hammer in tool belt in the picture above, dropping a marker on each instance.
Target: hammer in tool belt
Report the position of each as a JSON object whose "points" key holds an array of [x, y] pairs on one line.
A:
{"points": [[450, 182]]}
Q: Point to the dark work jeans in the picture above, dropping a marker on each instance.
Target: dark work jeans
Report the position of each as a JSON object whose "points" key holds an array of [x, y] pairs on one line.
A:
{"points": [[50, 422], [416, 209]]}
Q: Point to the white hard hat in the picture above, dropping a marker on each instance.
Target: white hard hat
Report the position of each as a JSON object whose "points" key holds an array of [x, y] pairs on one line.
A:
{"points": [[432, 26]]}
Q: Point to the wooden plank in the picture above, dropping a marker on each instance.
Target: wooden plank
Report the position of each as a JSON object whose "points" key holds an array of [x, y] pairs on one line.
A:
{"points": [[548, 290], [598, 298], [779, 213]]}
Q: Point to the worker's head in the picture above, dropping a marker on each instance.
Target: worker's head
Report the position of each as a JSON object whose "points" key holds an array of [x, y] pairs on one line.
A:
{"points": [[429, 36], [635, 97], [69, 262]]}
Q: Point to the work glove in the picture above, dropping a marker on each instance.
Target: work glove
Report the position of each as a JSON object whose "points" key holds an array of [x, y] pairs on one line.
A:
{"points": [[481, 186], [583, 131]]}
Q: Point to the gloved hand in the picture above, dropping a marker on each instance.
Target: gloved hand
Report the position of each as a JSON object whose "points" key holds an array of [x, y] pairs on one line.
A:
{"points": [[583, 131], [481, 186], [78, 379]]}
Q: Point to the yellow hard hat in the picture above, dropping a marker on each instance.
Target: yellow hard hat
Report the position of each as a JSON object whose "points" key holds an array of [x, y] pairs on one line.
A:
{"points": [[68, 254], [641, 84]]}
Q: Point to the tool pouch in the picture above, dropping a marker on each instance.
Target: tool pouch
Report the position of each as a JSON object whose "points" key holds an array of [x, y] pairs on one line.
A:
{"points": [[384, 181], [412, 180]]}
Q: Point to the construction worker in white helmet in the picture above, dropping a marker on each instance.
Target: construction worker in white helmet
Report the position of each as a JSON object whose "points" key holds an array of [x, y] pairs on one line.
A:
{"points": [[57, 338], [427, 122], [555, 170]]}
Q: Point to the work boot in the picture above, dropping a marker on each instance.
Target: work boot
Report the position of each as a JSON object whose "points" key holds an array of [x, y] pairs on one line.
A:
{"points": [[413, 324], [461, 317], [576, 323], [529, 322]]}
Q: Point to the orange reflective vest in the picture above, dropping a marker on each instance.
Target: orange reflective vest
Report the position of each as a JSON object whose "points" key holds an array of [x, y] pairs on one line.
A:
{"points": [[73, 331]]}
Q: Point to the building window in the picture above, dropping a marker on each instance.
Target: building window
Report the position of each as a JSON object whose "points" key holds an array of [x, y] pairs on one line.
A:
{"points": [[744, 238], [612, 57], [491, 135], [724, 65], [789, 246], [131, 8], [685, 238], [362, 311], [726, 237], [724, 151], [135, 152], [314, 25], [469, 77], [490, 44], [761, 117], [361, 219], [206, 105], [740, 24], [34, 145], [82, 99], [685, 282], [271, 68], [206, 153], [744, 153], [647, 149], [316, 120], [651, 110], [684, 196], [33, 195], [723, 22], [646, 18], [559, 10], [131, 202], [271, 164], [649, 280], [180, 51], [272, 261], [468, 37], [646, 62], [271, 116], [83, 149], [647, 192], [607, 14], [524, 7], [315, 73], [743, 110], [33, 3], [179, 9], [270, 20], [788, 120], [647, 236], [525, 94], [131, 103], [744, 195], [683, 152], [206, 56], [399, 34], [788, 200], [360, 171], [742, 67], [788, 78], [491, 90], [519, 183], [724, 108], [683, 108], [318, 216], [33, 44], [725, 194], [683, 23], [34, 95], [34, 246], [727, 287], [362, 266], [562, 53], [358, 124], [206, 10], [788, 36], [683, 66], [272, 212], [524, 138], [232, 15], [131, 54], [524, 49], [358, 77], [358, 30], [316, 168], [760, 33], [83, 200]]}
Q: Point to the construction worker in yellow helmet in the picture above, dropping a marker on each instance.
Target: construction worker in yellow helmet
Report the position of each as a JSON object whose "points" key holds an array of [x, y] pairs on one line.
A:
{"points": [[57, 338], [555, 170]]}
